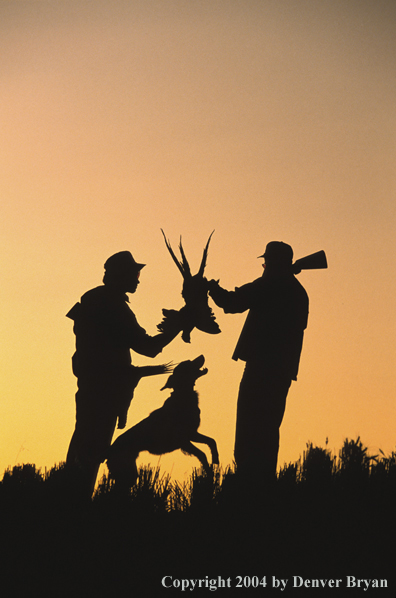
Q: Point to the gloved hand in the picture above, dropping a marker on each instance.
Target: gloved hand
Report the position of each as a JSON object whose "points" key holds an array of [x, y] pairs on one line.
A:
{"points": [[212, 285], [175, 320]]}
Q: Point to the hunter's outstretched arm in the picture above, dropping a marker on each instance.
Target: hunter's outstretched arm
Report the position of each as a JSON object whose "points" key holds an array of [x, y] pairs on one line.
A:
{"points": [[151, 346], [231, 302]]}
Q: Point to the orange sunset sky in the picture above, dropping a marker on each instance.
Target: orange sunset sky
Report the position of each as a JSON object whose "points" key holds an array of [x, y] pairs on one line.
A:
{"points": [[262, 119]]}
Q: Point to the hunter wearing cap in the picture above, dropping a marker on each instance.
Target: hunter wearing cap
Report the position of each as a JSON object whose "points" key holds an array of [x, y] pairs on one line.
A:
{"points": [[106, 330], [270, 343]]}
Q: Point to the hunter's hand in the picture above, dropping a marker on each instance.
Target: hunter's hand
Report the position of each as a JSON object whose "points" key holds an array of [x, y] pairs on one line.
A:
{"points": [[296, 269], [212, 285]]}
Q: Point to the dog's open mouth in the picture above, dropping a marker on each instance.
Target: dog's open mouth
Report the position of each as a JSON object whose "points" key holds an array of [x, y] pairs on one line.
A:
{"points": [[202, 372], [199, 362]]}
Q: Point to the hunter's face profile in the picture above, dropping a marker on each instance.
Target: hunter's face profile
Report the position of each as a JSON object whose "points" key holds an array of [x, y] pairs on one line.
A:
{"points": [[278, 256], [122, 272], [132, 281]]}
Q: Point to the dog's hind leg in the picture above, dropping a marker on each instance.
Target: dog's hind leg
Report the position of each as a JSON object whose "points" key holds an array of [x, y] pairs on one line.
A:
{"points": [[123, 469], [190, 449], [198, 437]]}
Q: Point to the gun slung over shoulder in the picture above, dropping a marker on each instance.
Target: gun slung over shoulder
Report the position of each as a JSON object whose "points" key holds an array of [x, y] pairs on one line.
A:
{"points": [[194, 293], [314, 261]]}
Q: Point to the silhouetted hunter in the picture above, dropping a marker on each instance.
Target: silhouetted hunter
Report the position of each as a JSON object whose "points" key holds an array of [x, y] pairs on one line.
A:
{"points": [[270, 344], [106, 330]]}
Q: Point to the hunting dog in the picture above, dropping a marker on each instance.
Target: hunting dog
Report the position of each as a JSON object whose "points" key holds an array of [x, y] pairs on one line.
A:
{"points": [[173, 426]]}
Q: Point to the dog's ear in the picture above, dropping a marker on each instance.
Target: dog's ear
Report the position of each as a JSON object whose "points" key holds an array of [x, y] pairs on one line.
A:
{"points": [[169, 383]]}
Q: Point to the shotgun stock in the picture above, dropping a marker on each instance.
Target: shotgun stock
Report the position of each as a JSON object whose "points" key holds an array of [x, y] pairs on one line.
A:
{"points": [[314, 261]]}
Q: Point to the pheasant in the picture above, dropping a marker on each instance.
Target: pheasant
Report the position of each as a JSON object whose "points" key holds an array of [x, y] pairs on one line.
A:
{"points": [[196, 313]]}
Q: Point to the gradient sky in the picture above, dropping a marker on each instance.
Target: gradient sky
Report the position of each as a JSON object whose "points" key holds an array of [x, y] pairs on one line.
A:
{"points": [[263, 120]]}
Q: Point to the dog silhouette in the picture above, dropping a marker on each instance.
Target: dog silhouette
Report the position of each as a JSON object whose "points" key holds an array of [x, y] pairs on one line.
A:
{"points": [[171, 427]]}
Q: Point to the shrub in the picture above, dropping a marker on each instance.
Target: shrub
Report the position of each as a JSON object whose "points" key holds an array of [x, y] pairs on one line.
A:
{"points": [[318, 465]]}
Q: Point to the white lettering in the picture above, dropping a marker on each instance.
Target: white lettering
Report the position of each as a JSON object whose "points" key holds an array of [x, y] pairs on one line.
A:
{"points": [[384, 583], [279, 583], [334, 581], [164, 582], [352, 582], [315, 583]]}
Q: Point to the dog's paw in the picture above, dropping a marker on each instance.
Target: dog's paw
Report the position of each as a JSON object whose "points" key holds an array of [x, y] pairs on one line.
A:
{"points": [[121, 423], [186, 336]]}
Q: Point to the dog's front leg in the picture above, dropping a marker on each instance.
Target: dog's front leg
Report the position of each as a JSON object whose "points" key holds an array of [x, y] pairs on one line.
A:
{"points": [[198, 437], [190, 449]]}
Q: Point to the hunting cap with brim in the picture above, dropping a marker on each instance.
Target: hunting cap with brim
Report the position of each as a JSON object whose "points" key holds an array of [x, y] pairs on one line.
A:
{"points": [[278, 252], [122, 263]]}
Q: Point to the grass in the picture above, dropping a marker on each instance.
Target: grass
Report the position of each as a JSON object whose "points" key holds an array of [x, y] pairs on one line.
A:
{"points": [[325, 516]]}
